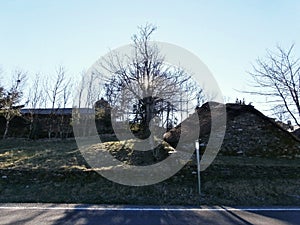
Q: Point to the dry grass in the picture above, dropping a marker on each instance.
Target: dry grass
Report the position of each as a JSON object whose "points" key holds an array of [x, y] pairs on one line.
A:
{"points": [[22, 154], [55, 171]]}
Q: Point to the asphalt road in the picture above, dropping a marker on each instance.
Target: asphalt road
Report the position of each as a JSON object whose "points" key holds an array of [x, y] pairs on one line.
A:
{"points": [[113, 215]]}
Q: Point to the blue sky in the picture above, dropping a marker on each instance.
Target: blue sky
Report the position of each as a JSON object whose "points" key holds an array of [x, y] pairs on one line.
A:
{"points": [[38, 36]]}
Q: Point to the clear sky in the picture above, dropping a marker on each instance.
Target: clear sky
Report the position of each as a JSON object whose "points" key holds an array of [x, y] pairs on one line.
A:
{"points": [[38, 36]]}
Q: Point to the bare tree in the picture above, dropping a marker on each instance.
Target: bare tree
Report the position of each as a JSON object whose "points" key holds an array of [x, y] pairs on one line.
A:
{"points": [[55, 87], [88, 93], [1, 94], [144, 85], [10, 100], [35, 100], [277, 77], [56, 93], [64, 127]]}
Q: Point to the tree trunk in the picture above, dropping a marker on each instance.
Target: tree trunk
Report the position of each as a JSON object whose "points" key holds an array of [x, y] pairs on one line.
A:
{"points": [[49, 131], [33, 134], [30, 128], [6, 129], [149, 115], [168, 117]]}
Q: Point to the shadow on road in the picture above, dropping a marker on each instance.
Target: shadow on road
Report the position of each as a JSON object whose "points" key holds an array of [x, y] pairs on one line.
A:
{"points": [[145, 217], [89, 215]]}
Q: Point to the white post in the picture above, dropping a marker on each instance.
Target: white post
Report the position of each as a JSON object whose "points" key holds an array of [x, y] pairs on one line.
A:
{"points": [[198, 165]]}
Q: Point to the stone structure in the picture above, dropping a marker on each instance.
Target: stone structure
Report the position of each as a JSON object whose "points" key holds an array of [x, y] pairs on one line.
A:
{"points": [[248, 132]]}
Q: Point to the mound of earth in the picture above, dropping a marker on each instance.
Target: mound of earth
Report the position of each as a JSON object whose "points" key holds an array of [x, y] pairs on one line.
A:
{"points": [[248, 131], [125, 152]]}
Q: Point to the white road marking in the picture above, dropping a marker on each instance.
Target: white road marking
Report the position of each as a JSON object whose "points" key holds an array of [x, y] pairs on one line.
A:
{"points": [[93, 208]]}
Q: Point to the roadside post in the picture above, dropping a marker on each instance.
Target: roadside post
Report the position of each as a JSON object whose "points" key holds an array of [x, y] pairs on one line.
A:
{"points": [[197, 147]]}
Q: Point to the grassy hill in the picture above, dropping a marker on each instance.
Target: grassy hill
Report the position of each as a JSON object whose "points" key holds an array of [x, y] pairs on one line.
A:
{"points": [[55, 171]]}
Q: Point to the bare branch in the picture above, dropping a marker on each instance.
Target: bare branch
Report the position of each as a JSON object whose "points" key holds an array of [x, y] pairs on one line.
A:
{"points": [[278, 76]]}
